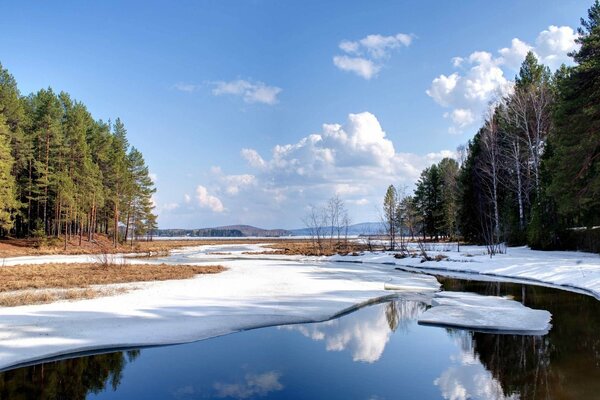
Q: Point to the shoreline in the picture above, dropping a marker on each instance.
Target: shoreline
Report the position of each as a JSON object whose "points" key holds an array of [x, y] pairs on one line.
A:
{"points": [[254, 291]]}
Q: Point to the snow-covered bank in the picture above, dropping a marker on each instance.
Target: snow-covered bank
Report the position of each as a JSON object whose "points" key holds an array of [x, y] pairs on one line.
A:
{"points": [[252, 293], [487, 313], [560, 268]]}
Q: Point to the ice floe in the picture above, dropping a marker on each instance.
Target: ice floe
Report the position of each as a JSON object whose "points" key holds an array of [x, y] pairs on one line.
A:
{"points": [[487, 313]]}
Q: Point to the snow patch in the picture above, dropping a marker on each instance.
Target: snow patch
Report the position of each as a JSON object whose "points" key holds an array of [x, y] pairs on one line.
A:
{"points": [[488, 313]]}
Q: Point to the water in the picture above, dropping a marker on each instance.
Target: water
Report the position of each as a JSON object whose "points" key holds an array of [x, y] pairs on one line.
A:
{"points": [[378, 352]]}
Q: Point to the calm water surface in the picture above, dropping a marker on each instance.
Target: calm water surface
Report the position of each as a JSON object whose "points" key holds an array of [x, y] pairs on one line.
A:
{"points": [[378, 352]]}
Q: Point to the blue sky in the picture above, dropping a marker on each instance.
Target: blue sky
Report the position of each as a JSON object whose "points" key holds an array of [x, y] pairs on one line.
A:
{"points": [[222, 97]]}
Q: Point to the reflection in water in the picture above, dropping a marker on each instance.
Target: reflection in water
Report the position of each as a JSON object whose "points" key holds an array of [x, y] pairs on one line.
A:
{"points": [[466, 378], [253, 385], [70, 379], [365, 332], [376, 352], [565, 363]]}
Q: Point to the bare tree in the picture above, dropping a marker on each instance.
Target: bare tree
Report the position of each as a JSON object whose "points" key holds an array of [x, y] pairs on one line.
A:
{"points": [[314, 222], [335, 210], [488, 171], [346, 221]]}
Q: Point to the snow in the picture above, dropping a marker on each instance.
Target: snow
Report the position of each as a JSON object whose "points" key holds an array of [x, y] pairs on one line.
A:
{"points": [[263, 289], [487, 313], [255, 291], [418, 284], [566, 269]]}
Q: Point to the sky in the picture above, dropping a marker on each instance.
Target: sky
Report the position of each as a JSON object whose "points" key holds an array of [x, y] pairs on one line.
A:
{"points": [[249, 112]]}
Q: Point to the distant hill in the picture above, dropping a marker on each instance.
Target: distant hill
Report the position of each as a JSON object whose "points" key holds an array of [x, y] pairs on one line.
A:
{"points": [[223, 231], [248, 230], [364, 228]]}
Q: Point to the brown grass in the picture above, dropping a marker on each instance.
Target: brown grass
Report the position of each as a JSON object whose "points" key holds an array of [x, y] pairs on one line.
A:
{"points": [[14, 299], [35, 284], [102, 244], [306, 247], [52, 276]]}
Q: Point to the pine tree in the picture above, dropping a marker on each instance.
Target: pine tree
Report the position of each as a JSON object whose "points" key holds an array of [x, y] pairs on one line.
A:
{"points": [[575, 163], [8, 200], [390, 202]]}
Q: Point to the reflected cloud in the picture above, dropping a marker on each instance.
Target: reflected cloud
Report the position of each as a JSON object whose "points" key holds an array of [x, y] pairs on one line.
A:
{"points": [[467, 378], [366, 332], [253, 385]]}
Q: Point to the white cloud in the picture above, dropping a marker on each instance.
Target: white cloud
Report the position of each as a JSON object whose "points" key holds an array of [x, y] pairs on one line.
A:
{"points": [[553, 45], [186, 87], [207, 200], [253, 158], [360, 202], [250, 92], [461, 117], [376, 46], [356, 160], [153, 177], [187, 198], [237, 182], [365, 57], [360, 66], [482, 76], [514, 55]]}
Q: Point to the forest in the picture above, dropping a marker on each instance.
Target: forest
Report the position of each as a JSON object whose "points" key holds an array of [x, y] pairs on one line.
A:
{"points": [[531, 173], [64, 174]]}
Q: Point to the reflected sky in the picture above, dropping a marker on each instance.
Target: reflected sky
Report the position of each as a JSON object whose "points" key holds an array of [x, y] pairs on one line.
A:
{"points": [[377, 352]]}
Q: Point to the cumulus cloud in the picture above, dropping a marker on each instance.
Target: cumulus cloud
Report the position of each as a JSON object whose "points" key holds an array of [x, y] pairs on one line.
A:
{"points": [[355, 159], [360, 66], [253, 158], [365, 57], [207, 200], [482, 77], [250, 92], [234, 183], [554, 44]]}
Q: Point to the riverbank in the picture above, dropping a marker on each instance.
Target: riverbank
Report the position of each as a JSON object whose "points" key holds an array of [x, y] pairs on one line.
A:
{"points": [[254, 291], [567, 269], [162, 246]]}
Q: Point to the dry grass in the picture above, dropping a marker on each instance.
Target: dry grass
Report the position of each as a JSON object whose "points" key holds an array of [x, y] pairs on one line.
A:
{"points": [[35, 284], [65, 276], [102, 244], [14, 299], [308, 248]]}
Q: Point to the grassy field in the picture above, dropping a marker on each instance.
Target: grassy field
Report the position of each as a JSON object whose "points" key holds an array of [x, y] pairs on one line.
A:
{"points": [[35, 284]]}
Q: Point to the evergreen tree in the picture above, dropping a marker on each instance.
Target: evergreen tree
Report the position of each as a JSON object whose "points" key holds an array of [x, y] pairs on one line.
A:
{"points": [[8, 200], [575, 163], [390, 204], [64, 174]]}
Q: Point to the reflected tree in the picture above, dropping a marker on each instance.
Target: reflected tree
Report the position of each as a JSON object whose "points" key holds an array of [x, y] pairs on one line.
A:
{"points": [[565, 363], [71, 379]]}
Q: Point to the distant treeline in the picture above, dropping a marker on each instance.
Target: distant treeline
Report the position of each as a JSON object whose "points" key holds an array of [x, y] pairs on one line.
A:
{"points": [[63, 173], [531, 174], [209, 232]]}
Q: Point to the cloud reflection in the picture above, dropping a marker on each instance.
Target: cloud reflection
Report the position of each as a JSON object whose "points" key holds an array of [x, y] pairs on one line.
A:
{"points": [[253, 385], [366, 332], [467, 378]]}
